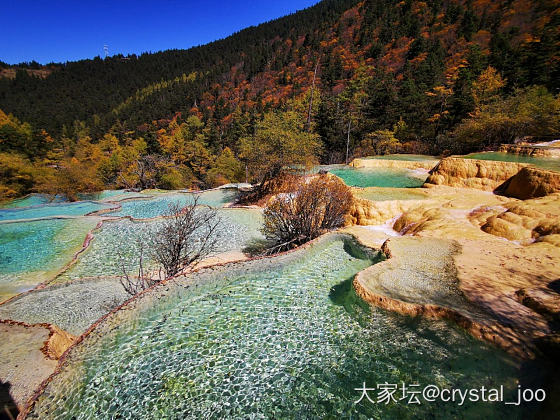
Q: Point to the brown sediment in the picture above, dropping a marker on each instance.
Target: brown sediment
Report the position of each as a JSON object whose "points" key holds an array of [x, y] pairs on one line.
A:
{"points": [[543, 300], [531, 182], [58, 340], [489, 269], [26, 370], [366, 212], [526, 221], [511, 179]]}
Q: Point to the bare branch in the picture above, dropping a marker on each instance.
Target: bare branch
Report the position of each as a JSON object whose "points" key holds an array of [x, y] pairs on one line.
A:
{"points": [[312, 208]]}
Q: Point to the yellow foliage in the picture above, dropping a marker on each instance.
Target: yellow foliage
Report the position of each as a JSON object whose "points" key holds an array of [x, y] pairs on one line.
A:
{"points": [[487, 85]]}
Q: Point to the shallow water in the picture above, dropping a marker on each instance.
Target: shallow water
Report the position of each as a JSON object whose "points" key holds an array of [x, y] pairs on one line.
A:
{"points": [[380, 177], [32, 200], [70, 306], [405, 157], [159, 205], [42, 199], [281, 338], [78, 208], [109, 195], [32, 251], [117, 241], [550, 164]]}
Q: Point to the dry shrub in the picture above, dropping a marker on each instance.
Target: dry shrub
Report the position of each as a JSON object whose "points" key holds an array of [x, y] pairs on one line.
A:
{"points": [[316, 205], [187, 236]]}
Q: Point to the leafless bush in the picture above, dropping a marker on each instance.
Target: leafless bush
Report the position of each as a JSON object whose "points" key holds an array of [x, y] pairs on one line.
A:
{"points": [[134, 284], [188, 235], [315, 207]]}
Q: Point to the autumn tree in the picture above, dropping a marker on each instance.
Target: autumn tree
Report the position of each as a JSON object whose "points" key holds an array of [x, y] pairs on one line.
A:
{"points": [[17, 176], [379, 142], [527, 112], [226, 168], [486, 87], [280, 141], [185, 144]]}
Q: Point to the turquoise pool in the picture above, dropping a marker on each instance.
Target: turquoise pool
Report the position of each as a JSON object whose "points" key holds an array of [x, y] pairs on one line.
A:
{"points": [[42, 199], [380, 177], [279, 338], [32, 200], [405, 157], [108, 195], [78, 208], [32, 252], [159, 205], [550, 164], [118, 240]]}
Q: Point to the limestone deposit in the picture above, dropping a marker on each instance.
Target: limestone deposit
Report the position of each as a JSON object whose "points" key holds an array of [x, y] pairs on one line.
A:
{"points": [[25, 370], [531, 182], [472, 173], [527, 149], [493, 247], [529, 221], [365, 212]]}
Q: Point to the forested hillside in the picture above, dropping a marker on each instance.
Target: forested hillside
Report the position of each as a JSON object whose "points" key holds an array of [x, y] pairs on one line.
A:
{"points": [[353, 77]]}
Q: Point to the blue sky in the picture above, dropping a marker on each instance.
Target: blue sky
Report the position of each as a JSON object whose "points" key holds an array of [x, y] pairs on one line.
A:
{"points": [[60, 31]]}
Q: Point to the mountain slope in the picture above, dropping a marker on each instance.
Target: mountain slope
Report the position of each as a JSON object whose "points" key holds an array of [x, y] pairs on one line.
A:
{"points": [[407, 48]]}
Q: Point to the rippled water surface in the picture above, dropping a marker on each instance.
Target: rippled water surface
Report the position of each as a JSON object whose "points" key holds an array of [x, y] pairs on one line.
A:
{"points": [[280, 338], [119, 240], [159, 205], [31, 251], [78, 208]]}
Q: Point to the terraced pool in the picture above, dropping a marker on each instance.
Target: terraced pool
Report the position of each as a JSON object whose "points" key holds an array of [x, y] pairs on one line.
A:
{"points": [[42, 199], [550, 164], [159, 205], [118, 239], [381, 177], [109, 195], [278, 338], [405, 157], [31, 252], [31, 200], [78, 208]]}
